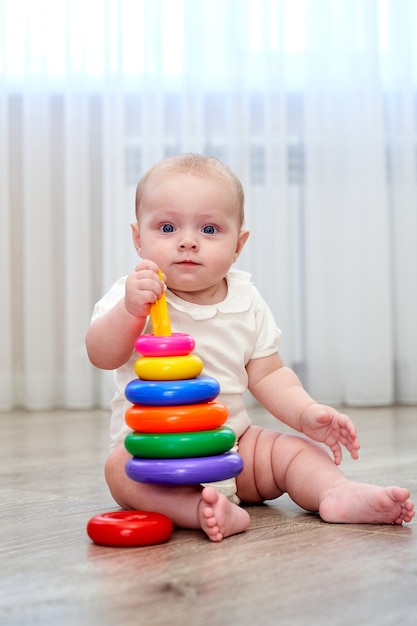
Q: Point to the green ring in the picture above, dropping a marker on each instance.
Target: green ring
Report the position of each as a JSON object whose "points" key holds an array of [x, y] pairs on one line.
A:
{"points": [[180, 445]]}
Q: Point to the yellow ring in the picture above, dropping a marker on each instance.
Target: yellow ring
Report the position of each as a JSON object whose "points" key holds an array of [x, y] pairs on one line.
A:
{"points": [[169, 367]]}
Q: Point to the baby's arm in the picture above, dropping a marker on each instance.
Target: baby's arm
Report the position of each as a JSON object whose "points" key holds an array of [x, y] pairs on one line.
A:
{"points": [[280, 391], [110, 338]]}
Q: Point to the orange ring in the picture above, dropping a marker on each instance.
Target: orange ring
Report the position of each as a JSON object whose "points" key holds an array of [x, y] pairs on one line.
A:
{"points": [[176, 419]]}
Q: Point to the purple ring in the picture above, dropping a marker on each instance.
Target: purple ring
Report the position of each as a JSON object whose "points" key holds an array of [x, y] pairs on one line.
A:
{"points": [[187, 471]]}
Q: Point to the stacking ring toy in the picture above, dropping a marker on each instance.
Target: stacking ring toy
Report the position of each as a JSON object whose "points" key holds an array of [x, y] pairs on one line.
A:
{"points": [[177, 344], [179, 445], [168, 367], [171, 392], [176, 419], [129, 528], [189, 471]]}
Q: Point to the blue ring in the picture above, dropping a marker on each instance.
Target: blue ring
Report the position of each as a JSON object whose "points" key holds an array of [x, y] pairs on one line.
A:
{"points": [[171, 392], [187, 471]]}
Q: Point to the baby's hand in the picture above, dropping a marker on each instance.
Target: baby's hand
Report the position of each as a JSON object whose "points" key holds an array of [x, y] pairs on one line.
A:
{"points": [[324, 424], [143, 288]]}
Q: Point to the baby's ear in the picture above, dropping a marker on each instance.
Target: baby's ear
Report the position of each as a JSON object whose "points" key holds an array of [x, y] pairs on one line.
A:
{"points": [[242, 239], [136, 235]]}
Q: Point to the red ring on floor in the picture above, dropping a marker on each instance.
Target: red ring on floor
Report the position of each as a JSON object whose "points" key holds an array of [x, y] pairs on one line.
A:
{"points": [[129, 528]]}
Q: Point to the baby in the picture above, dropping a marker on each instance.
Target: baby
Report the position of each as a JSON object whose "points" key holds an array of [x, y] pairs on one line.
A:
{"points": [[190, 216]]}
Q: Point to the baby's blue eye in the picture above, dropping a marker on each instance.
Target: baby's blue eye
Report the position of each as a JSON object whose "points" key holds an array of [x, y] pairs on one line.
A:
{"points": [[167, 228], [209, 230]]}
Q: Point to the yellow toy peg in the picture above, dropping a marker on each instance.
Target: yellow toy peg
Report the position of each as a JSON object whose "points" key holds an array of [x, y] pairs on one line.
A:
{"points": [[159, 315]]}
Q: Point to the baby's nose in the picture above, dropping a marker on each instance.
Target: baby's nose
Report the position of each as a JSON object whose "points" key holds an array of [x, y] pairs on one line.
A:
{"points": [[188, 243]]}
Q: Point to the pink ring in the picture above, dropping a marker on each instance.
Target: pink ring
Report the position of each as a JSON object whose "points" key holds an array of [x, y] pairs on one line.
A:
{"points": [[177, 344]]}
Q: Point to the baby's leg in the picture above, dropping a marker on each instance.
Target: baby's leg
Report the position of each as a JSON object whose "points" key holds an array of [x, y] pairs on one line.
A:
{"points": [[276, 463], [188, 506]]}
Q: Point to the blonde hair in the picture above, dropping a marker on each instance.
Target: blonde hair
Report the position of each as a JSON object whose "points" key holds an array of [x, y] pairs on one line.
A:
{"points": [[198, 165]]}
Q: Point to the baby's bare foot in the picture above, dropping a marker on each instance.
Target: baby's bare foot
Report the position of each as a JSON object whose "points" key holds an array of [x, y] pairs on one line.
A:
{"points": [[220, 518], [359, 503]]}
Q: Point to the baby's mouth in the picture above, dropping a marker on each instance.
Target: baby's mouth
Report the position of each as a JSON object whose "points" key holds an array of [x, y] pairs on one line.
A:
{"points": [[187, 262]]}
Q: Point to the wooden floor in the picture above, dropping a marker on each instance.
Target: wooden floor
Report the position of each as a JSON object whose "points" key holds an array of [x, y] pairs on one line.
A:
{"points": [[288, 568]]}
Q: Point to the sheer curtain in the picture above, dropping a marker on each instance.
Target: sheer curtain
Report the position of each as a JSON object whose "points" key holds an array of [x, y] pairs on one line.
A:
{"points": [[313, 104]]}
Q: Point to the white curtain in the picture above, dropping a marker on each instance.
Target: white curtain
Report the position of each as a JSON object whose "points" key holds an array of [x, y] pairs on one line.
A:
{"points": [[312, 102]]}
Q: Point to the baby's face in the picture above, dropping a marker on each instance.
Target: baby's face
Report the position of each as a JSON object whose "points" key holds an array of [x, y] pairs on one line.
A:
{"points": [[189, 225]]}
